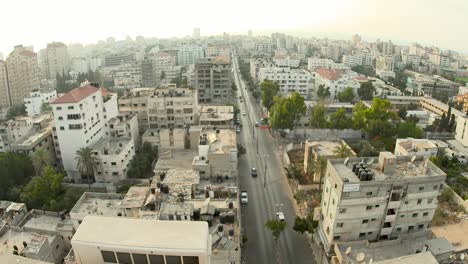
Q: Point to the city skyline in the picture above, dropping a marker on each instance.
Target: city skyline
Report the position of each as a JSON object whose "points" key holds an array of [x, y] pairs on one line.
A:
{"points": [[337, 18]]}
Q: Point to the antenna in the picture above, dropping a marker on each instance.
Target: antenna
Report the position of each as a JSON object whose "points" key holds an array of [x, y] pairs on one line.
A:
{"points": [[346, 161]]}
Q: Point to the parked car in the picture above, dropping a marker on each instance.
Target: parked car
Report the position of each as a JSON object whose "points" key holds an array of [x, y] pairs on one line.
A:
{"points": [[243, 113], [238, 129], [253, 171], [256, 123], [279, 216], [244, 198]]}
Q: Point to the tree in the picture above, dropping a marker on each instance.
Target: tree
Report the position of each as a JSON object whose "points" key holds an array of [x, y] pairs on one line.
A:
{"points": [[15, 171], [359, 119], [365, 149], [366, 91], [45, 107], [292, 172], [16, 110], [42, 191], [276, 227], [318, 119], [347, 95], [317, 167], [269, 91], [307, 224], [40, 159], [141, 165], [339, 120], [380, 109], [286, 111], [322, 92], [379, 128], [86, 163], [408, 129], [298, 106], [342, 151]]}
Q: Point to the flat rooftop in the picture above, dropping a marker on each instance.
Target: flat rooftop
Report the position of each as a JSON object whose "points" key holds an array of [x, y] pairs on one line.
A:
{"points": [[403, 168], [420, 258], [410, 144], [222, 142], [178, 235], [105, 204], [32, 137], [46, 221], [113, 145], [178, 180], [135, 197], [327, 148], [10, 258], [15, 237], [175, 159]]}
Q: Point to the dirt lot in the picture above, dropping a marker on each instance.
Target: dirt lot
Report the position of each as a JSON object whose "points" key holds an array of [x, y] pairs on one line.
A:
{"points": [[457, 234]]}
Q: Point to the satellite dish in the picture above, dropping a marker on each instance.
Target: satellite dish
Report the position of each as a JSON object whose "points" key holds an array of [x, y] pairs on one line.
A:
{"points": [[346, 161], [413, 158], [370, 261], [347, 251], [360, 257], [370, 161]]}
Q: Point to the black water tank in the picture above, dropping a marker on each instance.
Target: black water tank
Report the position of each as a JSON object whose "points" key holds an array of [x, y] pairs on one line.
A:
{"points": [[216, 212], [220, 228], [231, 232], [354, 166], [363, 176], [223, 218], [230, 217], [196, 214], [231, 205]]}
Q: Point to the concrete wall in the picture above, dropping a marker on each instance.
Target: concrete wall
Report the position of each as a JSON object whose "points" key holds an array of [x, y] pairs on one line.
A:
{"points": [[326, 134]]}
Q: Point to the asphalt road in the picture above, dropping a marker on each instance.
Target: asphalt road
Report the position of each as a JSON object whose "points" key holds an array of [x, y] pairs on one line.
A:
{"points": [[267, 195]]}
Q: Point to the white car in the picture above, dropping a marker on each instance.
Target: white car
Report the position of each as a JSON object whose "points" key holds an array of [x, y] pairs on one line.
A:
{"points": [[243, 113], [244, 198], [238, 130], [279, 216]]}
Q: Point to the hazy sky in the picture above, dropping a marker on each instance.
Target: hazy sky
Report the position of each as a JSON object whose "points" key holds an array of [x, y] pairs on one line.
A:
{"points": [[36, 22]]}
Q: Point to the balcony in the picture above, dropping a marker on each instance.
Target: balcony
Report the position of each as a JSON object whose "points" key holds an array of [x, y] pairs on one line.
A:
{"points": [[393, 204]]}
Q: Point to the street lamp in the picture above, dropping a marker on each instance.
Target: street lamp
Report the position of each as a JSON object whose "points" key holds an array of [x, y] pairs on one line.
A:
{"points": [[265, 171]]}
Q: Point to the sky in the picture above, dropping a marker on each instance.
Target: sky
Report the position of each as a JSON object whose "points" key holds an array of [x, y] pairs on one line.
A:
{"points": [[441, 23]]}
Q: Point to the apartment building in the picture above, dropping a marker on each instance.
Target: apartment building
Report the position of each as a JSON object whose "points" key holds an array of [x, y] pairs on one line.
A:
{"points": [[128, 76], [114, 155], [4, 90], [265, 47], [431, 85], [412, 60], [135, 102], [336, 80], [461, 131], [190, 53], [125, 125], [148, 77], [384, 67], [54, 60], [23, 74], [437, 107], [332, 51], [415, 147], [117, 59], [218, 50], [257, 64], [358, 59], [80, 65], [80, 117], [107, 240], [163, 61], [286, 61], [314, 63], [217, 115], [213, 78], [289, 80], [378, 198], [217, 152], [36, 99]]}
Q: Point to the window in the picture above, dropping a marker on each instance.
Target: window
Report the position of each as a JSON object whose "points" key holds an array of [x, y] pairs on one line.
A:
{"points": [[373, 220], [415, 214], [402, 215], [333, 201], [425, 214], [71, 108], [139, 258], [62, 128], [342, 210], [429, 201], [336, 237], [173, 260], [113, 163], [124, 257], [190, 260], [377, 205], [58, 108], [156, 259], [75, 126], [365, 221], [421, 188], [361, 235], [108, 256], [339, 225], [60, 118], [398, 229], [420, 226], [435, 187], [368, 193], [419, 201], [369, 233], [369, 207]]}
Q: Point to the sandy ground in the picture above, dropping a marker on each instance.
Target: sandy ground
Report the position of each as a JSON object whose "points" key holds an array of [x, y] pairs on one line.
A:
{"points": [[457, 234]]}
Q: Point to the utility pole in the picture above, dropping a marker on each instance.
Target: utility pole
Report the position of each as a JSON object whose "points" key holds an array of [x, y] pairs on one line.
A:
{"points": [[265, 171]]}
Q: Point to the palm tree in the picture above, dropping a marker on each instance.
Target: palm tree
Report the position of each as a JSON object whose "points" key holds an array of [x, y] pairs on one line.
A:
{"points": [[342, 151], [40, 159], [87, 163], [276, 227]]}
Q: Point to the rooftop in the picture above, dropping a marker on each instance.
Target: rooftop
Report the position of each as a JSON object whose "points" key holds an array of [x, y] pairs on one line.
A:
{"points": [[176, 235], [111, 146], [15, 237], [216, 113], [221, 141], [411, 144], [135, 197], [456, 234], [176, 159], [420, 258], [78, 94], [178, 180], [387, 167], [327, 148], [105, 204], [44, 220], [10, 258], [329, 74]]}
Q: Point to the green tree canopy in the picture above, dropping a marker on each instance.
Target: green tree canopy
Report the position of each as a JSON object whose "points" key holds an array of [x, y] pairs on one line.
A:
{"points": [[359, 118], [276, 227], [347, 95], [286, 111], [322, 92], [366, 91], [408, 129], [15, 171], [40, 159], [41, 191], [342, 151], [269, 91], [86, 163], [318, 118], [141, 165], [307, 224], [16, 110], [339, 120]]}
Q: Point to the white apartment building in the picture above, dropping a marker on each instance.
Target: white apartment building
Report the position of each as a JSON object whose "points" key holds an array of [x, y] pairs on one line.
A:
{"points": [[128, 76], [36, 99], [4, 91], [336, 80], [190, 53], [80, 117], [314, 63], [265, 47], [54, 60], [101, 240], [384, 67], [218, 50], [418, 147], [95, 63], [412, 60], [80, 65], [332, 51], [358, 59], [380, 198], [162, 62], [23, 74], [289, 80], [257, 64], [125, 125], [114, 155], [286, 61], [439, 59], [461, 131]]}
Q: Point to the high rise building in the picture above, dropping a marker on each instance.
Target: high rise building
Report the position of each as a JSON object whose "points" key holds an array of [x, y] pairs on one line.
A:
{"points": [[23, 74], [196, 33], [212, 79], [4, 91], [54, 60], [379, 198], [190, 53]]}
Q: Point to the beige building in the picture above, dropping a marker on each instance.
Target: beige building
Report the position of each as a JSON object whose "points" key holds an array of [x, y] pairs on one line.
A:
{"points": [[419, 147], [23, 74], [4, 91], [125, 125], [217, 115], [379, 198], [54, 60], [109, 240], [212, 79]]}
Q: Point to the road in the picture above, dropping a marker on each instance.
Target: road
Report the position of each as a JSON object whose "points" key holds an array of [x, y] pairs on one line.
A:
{"points": [[265, 197]]}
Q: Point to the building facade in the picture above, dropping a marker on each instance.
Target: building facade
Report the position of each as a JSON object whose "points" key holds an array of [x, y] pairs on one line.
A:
{"points": [[289, 80], [54, 60], [213, 80], [4, 90], [190, 53], [36, 99]]}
